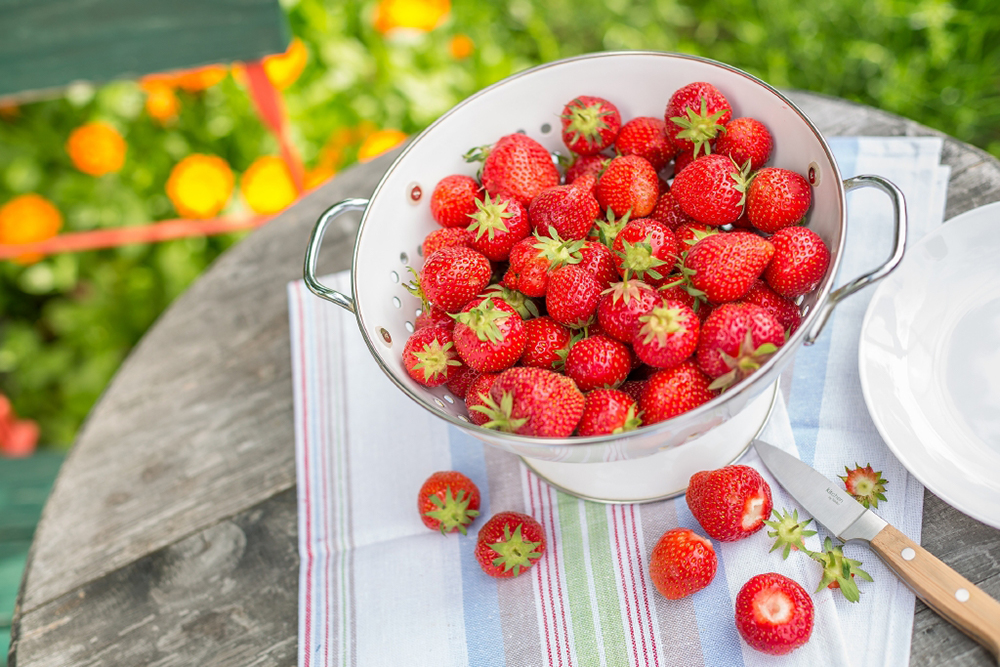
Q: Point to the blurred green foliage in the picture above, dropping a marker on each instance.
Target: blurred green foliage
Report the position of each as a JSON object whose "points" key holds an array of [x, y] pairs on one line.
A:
{"points": [[67, 322]]}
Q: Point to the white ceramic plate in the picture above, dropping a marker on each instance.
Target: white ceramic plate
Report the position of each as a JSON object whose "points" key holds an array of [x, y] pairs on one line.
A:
{"points": [[930, 362]]}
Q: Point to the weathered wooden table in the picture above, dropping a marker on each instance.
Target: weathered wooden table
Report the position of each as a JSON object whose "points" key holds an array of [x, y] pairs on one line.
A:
{"points": [[170, 536]]}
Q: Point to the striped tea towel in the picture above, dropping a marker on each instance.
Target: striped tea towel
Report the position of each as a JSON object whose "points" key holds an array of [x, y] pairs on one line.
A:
{"points": [[379, 589]]}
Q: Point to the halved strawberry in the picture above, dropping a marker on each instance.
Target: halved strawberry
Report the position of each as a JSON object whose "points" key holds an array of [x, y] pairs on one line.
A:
{"points": [[448, 501], [646, 137], [509, 543], [430, 357], [598, 361], [590, 124], [682, 563], [489, 335], [533, 401], [674, 391], [454, 200], [608, 411], [730, 503], [774, 614]]}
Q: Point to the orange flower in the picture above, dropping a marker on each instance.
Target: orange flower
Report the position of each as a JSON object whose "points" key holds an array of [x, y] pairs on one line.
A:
{"points": [[96, 149], [200, 185], [284, 68], [200, 78], [161, 102], [318, 176], [422, 15], [9, 111], [378, 143], [267, 185], [461, 46], [28, 219]]}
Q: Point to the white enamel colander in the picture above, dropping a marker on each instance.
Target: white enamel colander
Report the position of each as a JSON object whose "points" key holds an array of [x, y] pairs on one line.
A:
{"points": [[652, 462]]}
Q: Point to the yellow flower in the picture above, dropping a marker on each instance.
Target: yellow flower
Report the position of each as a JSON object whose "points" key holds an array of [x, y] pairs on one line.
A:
{"points": [[28, 219], [200, 185], [284, 68], [461, 46], [379, 142], [267, 185], [422, 15], [161, 102], [96, 149]]}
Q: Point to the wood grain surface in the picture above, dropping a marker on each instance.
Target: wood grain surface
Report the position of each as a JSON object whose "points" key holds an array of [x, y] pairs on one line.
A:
{"points": [[192, 445]]}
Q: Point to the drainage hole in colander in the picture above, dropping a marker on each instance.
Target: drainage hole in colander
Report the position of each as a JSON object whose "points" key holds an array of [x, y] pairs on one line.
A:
{"points": [[546, 128], [394, 276], [396, 302], [404, 258], [420, 250], [409, 326], [463, 418], [386, 338], [418, 312], [437, 402], [448, 398]]}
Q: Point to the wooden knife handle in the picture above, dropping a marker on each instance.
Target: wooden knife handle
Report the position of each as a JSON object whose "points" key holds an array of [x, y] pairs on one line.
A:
{"points": [[945, 591]]}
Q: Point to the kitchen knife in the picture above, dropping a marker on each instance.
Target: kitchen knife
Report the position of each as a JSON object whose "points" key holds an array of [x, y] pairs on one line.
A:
{"points": [[945, 591]]}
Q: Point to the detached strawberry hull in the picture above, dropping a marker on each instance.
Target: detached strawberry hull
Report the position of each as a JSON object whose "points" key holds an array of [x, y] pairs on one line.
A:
{"points": [[655, 461]]}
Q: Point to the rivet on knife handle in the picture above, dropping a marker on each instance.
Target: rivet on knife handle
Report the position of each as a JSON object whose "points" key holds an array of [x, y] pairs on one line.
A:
{"points": [[945, 591]]}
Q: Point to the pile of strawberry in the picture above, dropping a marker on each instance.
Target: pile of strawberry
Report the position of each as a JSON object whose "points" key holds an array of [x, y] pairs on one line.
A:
{"points": [[595, 300]]}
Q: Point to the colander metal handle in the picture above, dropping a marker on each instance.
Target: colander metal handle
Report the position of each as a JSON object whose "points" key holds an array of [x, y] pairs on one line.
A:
{"points": [[899, 243], [312, 252]]}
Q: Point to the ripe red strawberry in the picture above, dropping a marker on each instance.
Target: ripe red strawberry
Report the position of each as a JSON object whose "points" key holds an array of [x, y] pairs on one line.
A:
{"points": [[518, 166], [534, 401], [592, 165], [683, 159], [546, 339], [673, 391], [677, 293], [447, 237], [454, 200], [568, 209], [451, 277], [534, 258], [646, 137], [572, 296], [695, 115], [667, 334], [430, 357], [461, 380], [629, 184], [682, 563], [508, 544], [497, 225], [668, 212], [724, 266], [477, 394], [736, 339], [799, 263], [448, 501], [774, 614], [633, 388], [784, 310], [521, 304], [608, 411], [745, 139], [598, 361], [590, 124], [690, 233], [433, 317], [621, 305], [607, 228], [777, 198], [598, 259], [730, 503], [646, 249], [865, 484], [489, 335], [712, 189]]}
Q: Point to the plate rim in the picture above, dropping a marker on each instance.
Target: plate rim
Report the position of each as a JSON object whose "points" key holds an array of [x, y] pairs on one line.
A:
{"points": [[897, 451]]}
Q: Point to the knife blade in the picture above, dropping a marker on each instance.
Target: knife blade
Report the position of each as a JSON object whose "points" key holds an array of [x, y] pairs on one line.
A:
{"points": [[945, 591]]}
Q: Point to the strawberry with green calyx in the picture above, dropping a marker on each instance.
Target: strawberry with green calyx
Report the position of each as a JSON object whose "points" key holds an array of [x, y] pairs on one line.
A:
{"points": [[598, 361], [516, 165], [865, 484], [725, 266], [774, 614], [521, 304], [788, 531], [548, 343], [646, 249], [589, 124], [777, 198], [497, 225], [839, 571], [745, 139], [667, 334], [448, 501], [477, 394], [621, 305], [737, 339], [532, 260], [629, 183], [533, 401], [673, 391], [682, 563], [572, 296], [689, 233], [646, 137], [452, 277], [607, 412], [606, 231], [695, 115], [712, 189], [430, 357], [730, 503], [454, 199], [509, 543], [489, 335], [569, 209]]}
